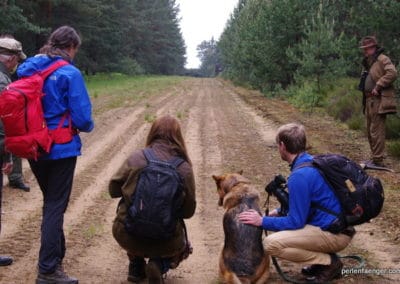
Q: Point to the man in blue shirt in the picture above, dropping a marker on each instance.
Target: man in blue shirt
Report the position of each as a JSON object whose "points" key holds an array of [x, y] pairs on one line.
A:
{"points": [[303, 235]]}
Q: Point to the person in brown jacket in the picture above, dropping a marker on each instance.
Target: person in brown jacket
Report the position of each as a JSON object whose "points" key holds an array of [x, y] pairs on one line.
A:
{"points": [[166, 142], [379, 95], [10, 55]]}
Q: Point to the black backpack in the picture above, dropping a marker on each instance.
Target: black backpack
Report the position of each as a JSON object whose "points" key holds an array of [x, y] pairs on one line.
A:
{"points": [[157, 200], [361, 196]]}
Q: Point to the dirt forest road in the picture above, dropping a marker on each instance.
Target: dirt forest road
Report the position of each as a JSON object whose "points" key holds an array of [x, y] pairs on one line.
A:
{"points": [[224, 131]]}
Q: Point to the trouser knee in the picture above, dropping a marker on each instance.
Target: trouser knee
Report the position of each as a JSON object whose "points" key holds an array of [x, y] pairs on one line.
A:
{"points": [[273, 246]]}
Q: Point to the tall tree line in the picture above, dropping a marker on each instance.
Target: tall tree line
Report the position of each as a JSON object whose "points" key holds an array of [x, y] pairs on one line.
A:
{"points": [[128, 36], [270, 44]]}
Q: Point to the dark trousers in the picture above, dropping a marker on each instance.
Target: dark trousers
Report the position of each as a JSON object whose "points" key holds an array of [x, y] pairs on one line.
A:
{"points": [[16, 173], [55, 180]]}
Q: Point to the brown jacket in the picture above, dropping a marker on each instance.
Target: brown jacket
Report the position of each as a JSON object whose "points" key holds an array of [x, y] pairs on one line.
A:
{"points": [[384, 73], [123, 184]]}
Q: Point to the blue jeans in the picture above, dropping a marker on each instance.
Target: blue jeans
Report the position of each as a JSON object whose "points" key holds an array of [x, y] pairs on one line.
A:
{"points": [[55, 180]]}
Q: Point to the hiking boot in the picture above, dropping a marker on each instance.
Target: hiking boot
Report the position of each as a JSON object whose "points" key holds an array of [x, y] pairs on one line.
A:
{"points": [[5, 260], [57, 277], [19, 184], [311, 270], [329, 272], [136, 269], [153, 272]]}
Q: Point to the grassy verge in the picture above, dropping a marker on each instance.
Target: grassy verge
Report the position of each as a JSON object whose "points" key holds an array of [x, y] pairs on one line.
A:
{"points": [[116, 90]]}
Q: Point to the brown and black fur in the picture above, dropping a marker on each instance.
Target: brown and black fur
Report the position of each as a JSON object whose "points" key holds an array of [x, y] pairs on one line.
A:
{"points": [[243, 259]]}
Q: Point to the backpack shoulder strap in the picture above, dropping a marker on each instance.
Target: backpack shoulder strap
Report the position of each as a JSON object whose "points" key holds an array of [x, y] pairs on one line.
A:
{"points": [[176, 161], [53, 67], [326, 210], [304, 165], [149, 154]]}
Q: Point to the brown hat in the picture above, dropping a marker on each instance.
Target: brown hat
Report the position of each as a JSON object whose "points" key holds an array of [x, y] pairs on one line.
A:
{"points": [[11, 46], [368, 41]]}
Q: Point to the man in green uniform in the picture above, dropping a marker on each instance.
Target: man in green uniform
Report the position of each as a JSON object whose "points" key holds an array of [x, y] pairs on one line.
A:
{"points": [[10, 54], [379, 95]]}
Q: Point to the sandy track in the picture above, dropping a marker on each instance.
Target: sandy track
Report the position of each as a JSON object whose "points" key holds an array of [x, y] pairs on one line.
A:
{"points": [[222, 133]]}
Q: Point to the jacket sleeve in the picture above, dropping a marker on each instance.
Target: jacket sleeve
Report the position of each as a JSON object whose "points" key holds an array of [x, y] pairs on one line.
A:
{"points": [[390, 74], [299, 206], [118, 180], [79, 104], [189, 203]]}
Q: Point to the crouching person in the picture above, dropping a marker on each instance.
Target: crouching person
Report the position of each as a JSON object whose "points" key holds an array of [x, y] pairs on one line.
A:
{"points": [[305, 235], [157, 190]]}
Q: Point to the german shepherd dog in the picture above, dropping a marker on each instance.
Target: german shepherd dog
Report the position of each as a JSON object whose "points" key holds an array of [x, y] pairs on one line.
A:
{"points": [[243, 259]]}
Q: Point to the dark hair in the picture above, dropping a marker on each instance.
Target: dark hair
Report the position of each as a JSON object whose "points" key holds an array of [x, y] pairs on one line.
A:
{"points": [[293, 135], [167, 129], [62, 38]]}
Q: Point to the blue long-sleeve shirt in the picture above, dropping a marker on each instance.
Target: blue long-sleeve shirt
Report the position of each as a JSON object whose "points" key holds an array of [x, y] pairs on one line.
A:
{"points": [[305, 186], [64, 90]]}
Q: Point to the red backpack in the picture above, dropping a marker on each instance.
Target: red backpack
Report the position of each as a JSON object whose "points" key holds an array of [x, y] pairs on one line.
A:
{"points": [[26, 132]]}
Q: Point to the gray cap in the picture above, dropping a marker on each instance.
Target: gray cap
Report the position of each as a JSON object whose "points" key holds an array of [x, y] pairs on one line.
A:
{"points": [[11, 46]]}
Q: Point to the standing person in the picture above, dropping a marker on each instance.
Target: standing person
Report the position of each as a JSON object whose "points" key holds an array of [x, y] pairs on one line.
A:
{"points": [[10, 54], [15, 178], [65, 94], [378, 95], [303, 235], [166, 143]]}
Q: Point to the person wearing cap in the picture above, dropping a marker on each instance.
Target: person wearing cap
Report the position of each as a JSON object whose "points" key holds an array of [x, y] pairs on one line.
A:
{"points": [[10, 54], [378, 95], [9, 46]]}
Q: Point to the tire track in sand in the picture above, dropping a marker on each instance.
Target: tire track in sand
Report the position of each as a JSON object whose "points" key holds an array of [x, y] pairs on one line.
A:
{"points": [[204, 233]]}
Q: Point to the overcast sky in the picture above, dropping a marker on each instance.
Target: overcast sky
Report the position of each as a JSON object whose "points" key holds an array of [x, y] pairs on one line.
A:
{"points": [[202, 20]]}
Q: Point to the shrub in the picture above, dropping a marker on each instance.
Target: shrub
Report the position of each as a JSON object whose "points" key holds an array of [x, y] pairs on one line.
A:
{"points": [[393, 127], [356, 122], [393, 148], [305, 97]]}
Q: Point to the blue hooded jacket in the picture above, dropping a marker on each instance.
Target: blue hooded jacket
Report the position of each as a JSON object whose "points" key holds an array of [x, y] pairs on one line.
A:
{"points": [[306, 187], [64, 90]]}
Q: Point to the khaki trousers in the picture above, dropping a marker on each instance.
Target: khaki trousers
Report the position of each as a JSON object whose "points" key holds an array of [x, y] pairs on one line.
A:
{"points": [[309, 245], [375, 128]]}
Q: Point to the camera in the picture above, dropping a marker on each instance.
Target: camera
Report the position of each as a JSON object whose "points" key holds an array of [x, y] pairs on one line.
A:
{"points": [[277, 188]]}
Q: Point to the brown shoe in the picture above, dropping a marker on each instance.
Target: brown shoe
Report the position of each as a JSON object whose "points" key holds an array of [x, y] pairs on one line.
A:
{"points": [[330, 272]]}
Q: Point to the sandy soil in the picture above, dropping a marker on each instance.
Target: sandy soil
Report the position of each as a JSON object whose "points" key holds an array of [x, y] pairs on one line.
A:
{"points": [[226, 129]]}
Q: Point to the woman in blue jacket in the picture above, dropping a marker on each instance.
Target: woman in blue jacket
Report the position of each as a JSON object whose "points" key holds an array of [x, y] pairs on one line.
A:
{"points": [[66, 95]]}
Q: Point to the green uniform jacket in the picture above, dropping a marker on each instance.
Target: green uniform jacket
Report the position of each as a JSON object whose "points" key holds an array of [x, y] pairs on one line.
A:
{"points": [[384, 73], [5, 79], [123, 184]]}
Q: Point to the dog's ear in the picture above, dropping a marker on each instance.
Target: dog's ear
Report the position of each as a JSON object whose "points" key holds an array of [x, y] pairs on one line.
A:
{"points": [[240, 172], [216, 178]]}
